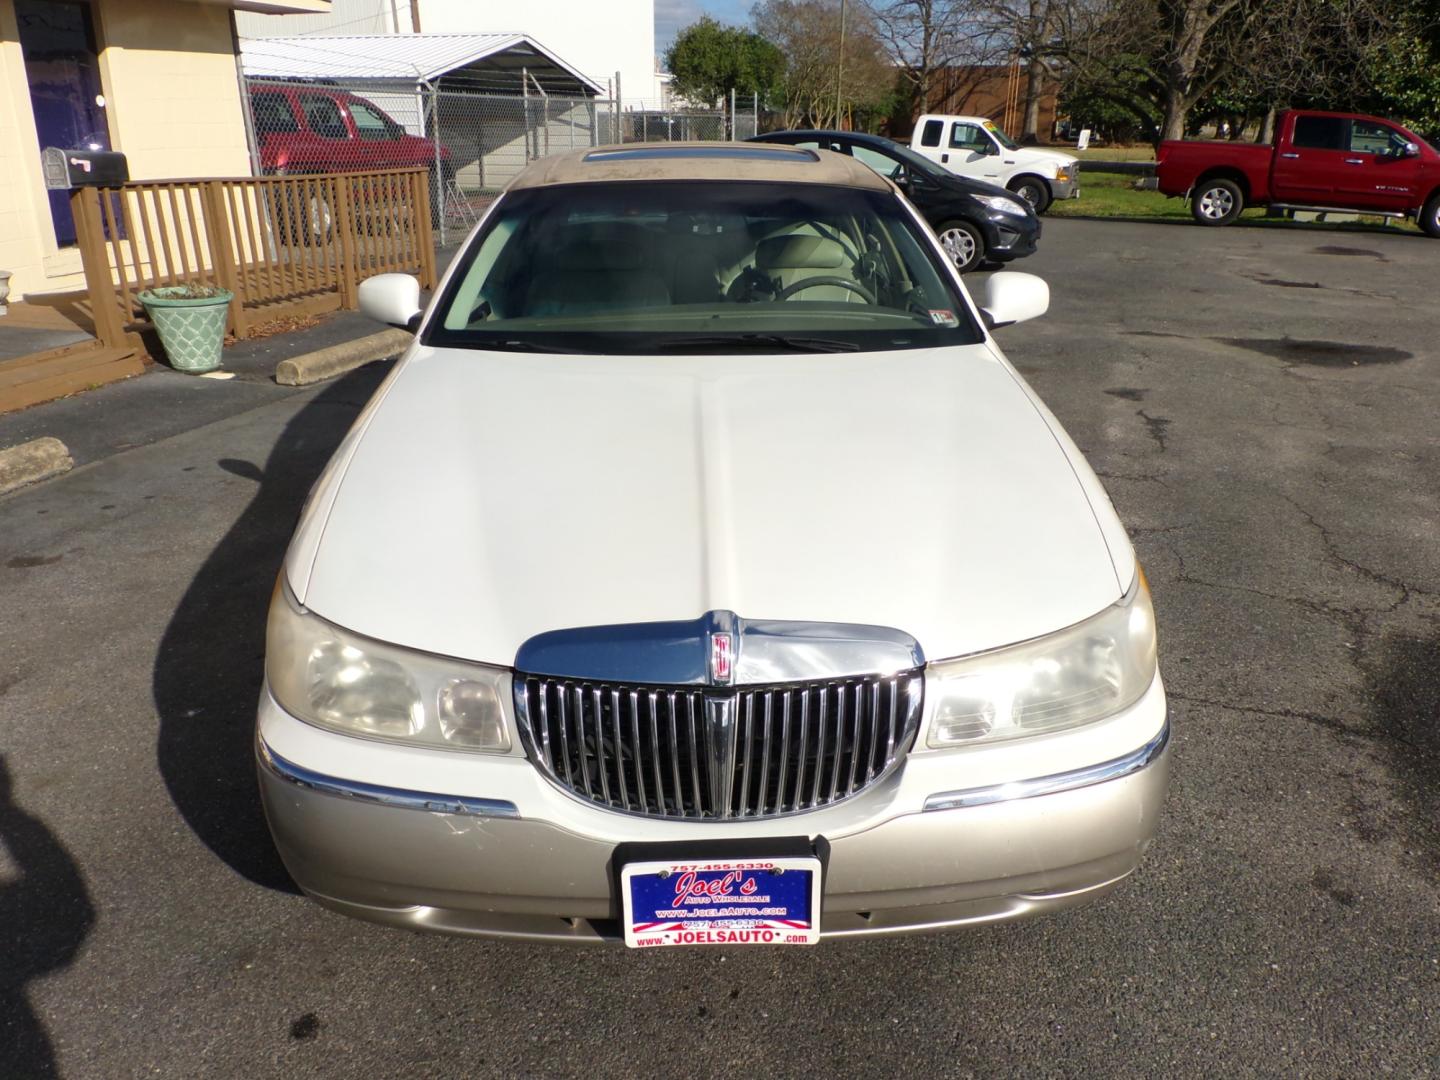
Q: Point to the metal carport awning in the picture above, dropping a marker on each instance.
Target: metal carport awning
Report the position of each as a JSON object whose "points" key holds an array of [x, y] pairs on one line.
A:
{"points": [[491, 63]]}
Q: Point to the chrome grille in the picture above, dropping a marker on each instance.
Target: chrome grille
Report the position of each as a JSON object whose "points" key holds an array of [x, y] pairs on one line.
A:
{"points": [[716, 754]]}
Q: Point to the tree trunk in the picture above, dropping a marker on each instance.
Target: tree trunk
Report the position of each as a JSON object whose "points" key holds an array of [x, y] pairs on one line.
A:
{"points": [[1176, 109], [1034, 88], [1267, 127]]}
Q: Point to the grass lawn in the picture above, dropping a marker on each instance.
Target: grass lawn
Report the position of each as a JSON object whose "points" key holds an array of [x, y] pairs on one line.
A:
{"points": [[1113, 195], [1145, 152]]}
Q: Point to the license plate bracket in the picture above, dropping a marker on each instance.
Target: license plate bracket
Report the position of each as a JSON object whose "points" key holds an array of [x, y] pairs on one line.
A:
{"points": [[765, 891]]}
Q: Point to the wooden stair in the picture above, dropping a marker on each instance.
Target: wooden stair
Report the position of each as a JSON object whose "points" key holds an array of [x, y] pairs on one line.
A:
{"points": [[42, 376]]}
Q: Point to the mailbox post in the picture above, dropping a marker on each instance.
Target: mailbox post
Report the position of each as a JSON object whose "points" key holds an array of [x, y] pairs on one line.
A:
{"points": [[78, 171], [70, 169]]}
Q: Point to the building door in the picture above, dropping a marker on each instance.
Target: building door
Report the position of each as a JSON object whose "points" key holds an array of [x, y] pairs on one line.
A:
{"points": [[63, 71]]}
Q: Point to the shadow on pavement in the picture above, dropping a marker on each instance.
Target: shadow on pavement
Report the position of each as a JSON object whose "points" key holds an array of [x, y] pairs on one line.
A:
{"points": [[1358, 229], [210, 664], [45, 915]]}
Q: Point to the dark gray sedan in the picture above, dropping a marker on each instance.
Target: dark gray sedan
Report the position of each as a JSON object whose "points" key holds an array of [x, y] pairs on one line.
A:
{"points": [[976, 221]]}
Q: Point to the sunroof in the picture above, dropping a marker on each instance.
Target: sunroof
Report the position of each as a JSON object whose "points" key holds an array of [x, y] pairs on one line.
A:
{"points": [[790, 154]]}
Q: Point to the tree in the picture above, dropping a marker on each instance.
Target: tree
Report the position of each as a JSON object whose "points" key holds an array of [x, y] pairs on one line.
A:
{"points": [[709, 60], [1403, 71], [1039, 35], [807, 33], [1164, 59], [925, 39]]}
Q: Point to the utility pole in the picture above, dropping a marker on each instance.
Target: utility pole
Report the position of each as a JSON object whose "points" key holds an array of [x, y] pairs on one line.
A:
{"points": [[840, 64]]}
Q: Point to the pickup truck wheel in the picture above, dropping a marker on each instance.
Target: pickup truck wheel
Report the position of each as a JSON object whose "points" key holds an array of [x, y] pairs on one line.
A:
{"points": [[303, 216], [1034, 191], [963, 244], [1430, 216], [1217, 202], [318, 217]]}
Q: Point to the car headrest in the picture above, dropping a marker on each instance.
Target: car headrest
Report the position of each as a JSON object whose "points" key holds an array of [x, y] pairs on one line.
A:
{"points": [[598, 256], [799, 252]]}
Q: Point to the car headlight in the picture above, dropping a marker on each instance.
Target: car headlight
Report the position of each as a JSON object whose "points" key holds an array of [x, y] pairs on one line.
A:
{"points": [[355, 685], [1074, 677], [1001, 203]]}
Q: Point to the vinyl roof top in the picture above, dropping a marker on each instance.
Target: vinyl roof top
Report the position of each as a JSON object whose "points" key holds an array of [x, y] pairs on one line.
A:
{"points": [[700, 161]]}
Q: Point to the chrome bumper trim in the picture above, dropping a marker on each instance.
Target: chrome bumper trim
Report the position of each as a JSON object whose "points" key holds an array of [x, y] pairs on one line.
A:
{"points": [[1049, 785], [382, 796]]}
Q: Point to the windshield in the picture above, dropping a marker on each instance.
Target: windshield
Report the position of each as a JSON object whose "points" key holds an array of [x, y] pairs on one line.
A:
{"points": [[918, 162], [675, 266], [1000, 136]]}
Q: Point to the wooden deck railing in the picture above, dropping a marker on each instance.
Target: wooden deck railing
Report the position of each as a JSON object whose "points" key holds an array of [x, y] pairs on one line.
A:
{"points": [[284, 245]]}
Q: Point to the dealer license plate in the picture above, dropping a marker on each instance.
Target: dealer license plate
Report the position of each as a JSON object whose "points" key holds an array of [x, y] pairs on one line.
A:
{"points": [[773, 901]]}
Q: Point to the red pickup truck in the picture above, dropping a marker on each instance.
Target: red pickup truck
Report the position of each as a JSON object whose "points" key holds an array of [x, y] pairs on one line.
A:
{"points": [[318, 129], [1319, 161]]}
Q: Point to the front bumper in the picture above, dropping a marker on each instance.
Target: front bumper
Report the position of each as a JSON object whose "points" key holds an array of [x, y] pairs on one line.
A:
{"points": [[523, 860], [1065, 189], [1009, 237]]}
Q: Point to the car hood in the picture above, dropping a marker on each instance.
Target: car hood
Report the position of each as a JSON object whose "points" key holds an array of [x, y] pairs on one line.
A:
{"points": [[489, 497], [1034, 156]]}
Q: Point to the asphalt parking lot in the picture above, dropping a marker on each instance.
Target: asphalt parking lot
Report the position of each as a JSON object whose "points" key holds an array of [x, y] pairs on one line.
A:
{"points": [[1261, 403]]}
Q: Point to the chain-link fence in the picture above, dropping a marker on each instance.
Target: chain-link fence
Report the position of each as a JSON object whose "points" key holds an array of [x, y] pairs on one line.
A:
{"points": [[473, 144]]}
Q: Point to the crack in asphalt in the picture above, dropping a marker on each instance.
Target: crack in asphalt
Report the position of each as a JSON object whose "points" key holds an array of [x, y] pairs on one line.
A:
{"points": [[1351, 619], [1334, 724], [1155, 427], [1331, 723], [1332, 552], [1147, 478]]}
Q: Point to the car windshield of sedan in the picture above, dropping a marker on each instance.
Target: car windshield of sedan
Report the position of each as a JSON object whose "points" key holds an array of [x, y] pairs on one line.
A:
{"points": [[700, 266]]}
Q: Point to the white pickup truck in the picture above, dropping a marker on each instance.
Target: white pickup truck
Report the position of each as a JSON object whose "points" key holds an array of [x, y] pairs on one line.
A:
{"points": [[974, 146]]}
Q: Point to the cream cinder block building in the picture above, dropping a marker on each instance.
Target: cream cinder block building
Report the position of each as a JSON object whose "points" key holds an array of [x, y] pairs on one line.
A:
{"points": [[154, 79]]}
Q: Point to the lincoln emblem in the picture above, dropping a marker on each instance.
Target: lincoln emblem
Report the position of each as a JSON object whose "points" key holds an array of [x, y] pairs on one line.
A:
{"points": [[722, 659]]}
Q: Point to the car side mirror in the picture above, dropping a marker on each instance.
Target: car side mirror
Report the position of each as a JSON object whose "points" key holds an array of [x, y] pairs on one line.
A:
{"points": [[991, 149], [1410, 149], [392, 299], [1009, 297]]}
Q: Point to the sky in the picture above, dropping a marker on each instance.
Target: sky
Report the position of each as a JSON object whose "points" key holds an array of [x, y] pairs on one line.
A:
{"points": [[672, 16]]}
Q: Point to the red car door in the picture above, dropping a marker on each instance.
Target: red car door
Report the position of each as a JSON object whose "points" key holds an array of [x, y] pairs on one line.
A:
{"points": [[381, 140], [328, 145], [1380, 173], [1310, 162]]}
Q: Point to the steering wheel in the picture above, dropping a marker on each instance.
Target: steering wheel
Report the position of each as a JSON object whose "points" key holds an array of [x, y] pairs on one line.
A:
{"points": [[812, 282]]}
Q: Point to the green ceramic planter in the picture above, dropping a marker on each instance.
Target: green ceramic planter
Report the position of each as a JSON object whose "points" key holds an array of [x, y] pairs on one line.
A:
{"points": [[191, 329]]}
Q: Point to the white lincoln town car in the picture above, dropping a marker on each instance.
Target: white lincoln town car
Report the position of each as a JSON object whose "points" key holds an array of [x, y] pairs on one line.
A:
{"points": [[704, 573]]}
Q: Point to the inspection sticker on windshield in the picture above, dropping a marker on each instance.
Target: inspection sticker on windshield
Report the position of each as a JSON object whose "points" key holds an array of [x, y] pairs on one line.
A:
{"points": [[721, 902], [944, 317]]}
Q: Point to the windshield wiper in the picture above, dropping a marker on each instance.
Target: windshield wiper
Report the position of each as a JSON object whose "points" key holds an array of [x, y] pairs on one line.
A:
{"points": [[788, 342], [515, 345]]}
